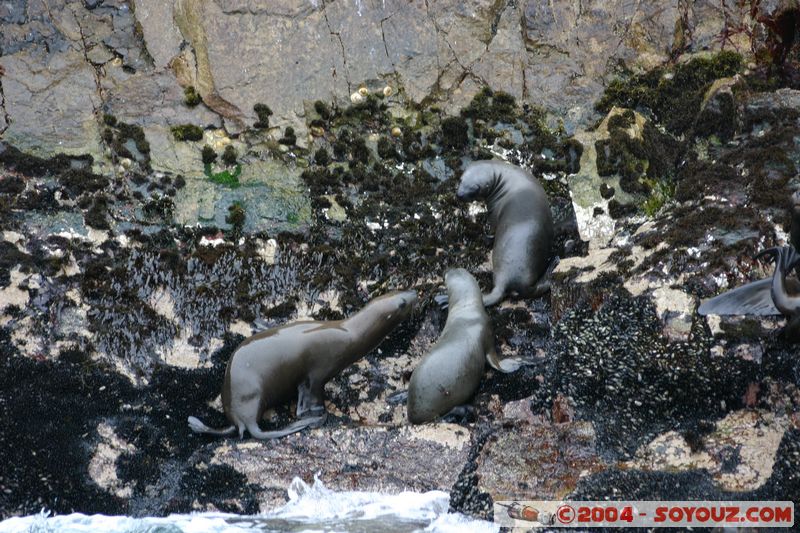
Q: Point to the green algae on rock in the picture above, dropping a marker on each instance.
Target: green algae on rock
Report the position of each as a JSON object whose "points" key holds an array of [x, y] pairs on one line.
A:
{"points": [[224, 177], [454, 133], [491, 106]]}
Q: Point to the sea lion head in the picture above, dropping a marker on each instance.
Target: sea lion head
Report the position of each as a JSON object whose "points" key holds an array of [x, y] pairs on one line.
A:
{"points": [[394, 307], [461, 286], [477, 181]]}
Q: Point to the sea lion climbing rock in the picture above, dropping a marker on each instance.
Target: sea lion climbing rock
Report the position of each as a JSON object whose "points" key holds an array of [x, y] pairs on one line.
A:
{"points": [[268, 368], [522, 224], [450, 373]]}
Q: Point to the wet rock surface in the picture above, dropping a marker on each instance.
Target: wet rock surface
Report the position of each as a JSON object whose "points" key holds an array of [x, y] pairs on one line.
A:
{"points": [[364, 459], [146, 229]]}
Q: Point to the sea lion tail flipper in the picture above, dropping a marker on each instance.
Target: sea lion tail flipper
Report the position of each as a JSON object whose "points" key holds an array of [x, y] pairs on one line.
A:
{"points": [[494, 297], [509, 365], [198, 427], [294, 427], [755, 298], [506, 366]]}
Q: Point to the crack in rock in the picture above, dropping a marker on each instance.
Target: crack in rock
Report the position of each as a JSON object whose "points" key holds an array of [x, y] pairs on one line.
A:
{"points": [[95, 68], [6, 116], [496, 22], [383, 37], [344, 56], [442, 71]]}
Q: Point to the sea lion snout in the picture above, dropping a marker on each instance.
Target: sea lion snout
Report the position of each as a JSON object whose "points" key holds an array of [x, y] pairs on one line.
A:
{"points": [[467, 192], [401, 305]]}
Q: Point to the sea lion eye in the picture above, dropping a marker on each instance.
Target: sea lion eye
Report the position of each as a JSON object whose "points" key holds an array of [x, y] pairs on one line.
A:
{"points": [[402, 304]]}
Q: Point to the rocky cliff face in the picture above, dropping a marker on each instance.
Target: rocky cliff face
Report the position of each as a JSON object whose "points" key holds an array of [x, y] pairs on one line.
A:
{"points": [[179, 175], [69, 60]]}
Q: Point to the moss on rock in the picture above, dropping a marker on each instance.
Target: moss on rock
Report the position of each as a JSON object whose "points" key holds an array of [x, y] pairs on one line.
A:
{"points": [[187, 132]]}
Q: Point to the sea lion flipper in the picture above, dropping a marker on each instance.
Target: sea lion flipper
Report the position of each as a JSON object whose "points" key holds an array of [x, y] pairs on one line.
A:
{"points": [[505, 366], [542, 286], [510, 365], [442, 301], [460, 413], [310, 399], [755, 298], [294, 427], [791, 259]]}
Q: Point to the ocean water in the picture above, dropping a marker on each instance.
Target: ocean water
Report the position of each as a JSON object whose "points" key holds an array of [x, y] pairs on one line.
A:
{"points": [[311, 508]]}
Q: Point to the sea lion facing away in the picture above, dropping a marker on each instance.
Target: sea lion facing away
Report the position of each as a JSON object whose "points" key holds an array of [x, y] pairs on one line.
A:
{"points": [[772, 296], [450, 373], [522, 223], [268, 368]]}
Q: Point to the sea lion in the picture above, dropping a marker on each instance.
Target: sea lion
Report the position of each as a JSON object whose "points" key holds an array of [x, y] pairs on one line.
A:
{"points": [[786, 292], [522, 223], [268, 368], [777, 295], [450, 373], [756, 298]]}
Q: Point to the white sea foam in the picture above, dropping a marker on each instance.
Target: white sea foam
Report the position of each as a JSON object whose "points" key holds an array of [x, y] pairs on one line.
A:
{"points": [[80, 523], [319, 503], [310, 508]]}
